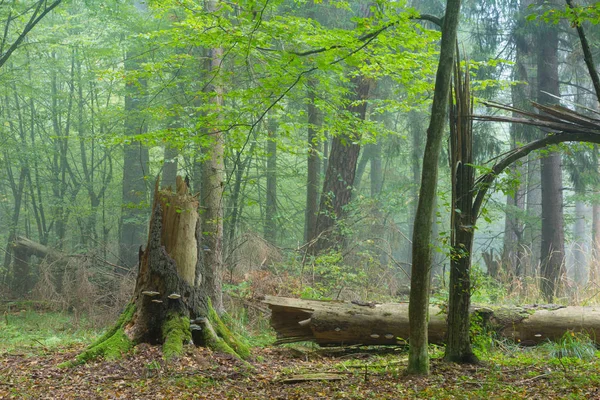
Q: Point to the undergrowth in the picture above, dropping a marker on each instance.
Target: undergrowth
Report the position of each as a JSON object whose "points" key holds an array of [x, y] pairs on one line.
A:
{"points": [[34, 331]]}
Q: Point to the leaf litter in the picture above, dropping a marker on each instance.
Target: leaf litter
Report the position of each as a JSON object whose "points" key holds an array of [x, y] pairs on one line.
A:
{"points": [[277, 373]]}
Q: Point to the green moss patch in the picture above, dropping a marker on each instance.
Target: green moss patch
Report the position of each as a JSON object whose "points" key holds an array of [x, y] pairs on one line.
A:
{"points": [[231, 344], [112, 345], [176, 332]]}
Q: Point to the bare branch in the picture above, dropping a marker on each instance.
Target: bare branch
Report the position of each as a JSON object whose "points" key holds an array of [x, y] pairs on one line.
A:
{"points": [[587, 54], [36, 17]]}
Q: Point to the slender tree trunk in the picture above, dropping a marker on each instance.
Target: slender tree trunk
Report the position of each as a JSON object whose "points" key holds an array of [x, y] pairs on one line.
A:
{"points": [[235, 204], [21, 282], [60, 160], [532, 230], [416, 133], [213, 170], [35, 185], [361, 167], [521, 95], [326, 147], [313, 165], [376, 171], [552, 250], [595, 259], [418, 358], [580, 248], [270, 228], [133, 222]]}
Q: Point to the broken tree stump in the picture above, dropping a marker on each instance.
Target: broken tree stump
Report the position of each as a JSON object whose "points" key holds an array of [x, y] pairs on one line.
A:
{"points": [[348, 323]]}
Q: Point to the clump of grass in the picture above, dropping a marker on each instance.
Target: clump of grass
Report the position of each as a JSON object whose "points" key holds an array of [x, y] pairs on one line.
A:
{"points": [[572, 345]]}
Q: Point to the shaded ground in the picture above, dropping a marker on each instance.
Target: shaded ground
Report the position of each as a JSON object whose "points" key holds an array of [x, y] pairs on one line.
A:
{"points": [[201, 374]]}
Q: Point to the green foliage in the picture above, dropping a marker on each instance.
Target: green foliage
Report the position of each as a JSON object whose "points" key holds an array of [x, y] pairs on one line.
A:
{"points": [[572, 345], [486, 290], [225, 340], [29, 330], [482, 339], [251, 328], [331, 276], [547, 13]]}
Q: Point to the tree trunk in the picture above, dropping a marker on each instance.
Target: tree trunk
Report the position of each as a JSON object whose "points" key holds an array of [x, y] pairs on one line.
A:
{"points": [[22, 249], [580, 248], [553, 254], [594, 266], [361, 167], [347, 323], [270, 228], [313, 166], [20, 279], [132, 232], [213, 170], [235, 203], [341, 169], [552, 250], [418, 359], [169, 305], [462, 221], [376, 171], [416, 133], [532, 230]]}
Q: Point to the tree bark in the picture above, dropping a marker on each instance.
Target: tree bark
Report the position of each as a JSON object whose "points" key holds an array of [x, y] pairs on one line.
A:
{"points": [[346, 323], [416, 132], [532, 230], [134, 212], [462, 221], [594, 266], [512, 254], [313, 166], [418, 359], [213, 170], [579, 246], [341, 169], [270, 227], [552, 250]]}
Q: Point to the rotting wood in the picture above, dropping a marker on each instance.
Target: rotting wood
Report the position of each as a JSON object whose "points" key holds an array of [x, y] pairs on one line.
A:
{"points": [[316, 376], [345, 323]]}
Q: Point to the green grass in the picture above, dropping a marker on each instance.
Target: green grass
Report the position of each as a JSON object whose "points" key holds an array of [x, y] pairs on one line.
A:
{"points": [[33, 331], [566, 369]]}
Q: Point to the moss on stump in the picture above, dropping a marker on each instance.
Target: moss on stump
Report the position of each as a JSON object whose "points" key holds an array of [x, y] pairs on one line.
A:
{"points": [[111, 345], [176, 332]]}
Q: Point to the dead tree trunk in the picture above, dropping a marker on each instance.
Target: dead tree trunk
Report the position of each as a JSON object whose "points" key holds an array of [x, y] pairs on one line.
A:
{"points": [[347, 323], [22, 249], [462, 220], [169, 305]]}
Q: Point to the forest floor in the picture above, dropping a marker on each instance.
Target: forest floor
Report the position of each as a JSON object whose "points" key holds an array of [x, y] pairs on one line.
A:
{"points": [[29, 369]]}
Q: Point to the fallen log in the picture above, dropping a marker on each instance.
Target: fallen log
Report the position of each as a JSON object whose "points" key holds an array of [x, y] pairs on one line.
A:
{"points": [[348, 323]]}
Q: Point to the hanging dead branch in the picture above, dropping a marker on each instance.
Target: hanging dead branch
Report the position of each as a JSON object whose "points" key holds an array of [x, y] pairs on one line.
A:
{"points": [[562, 124]]}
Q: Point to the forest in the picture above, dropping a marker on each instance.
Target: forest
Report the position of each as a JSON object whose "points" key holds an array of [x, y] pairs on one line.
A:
{"points": [[298, 199]]}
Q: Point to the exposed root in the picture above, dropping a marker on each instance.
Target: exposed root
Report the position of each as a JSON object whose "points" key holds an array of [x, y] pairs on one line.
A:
{"points": [[176, 333], [112, 345]]}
